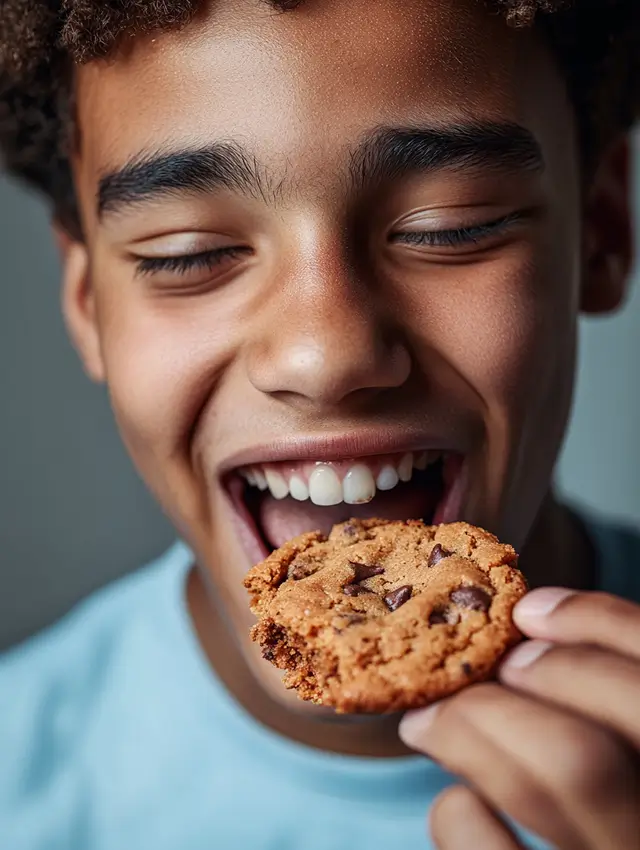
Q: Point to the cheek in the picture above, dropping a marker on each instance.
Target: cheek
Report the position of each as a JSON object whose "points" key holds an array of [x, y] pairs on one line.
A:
{"points": [[162, 364], [507, 328]]}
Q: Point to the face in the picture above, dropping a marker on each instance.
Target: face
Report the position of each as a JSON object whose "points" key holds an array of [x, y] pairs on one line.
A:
{"points": [[328, 251]]}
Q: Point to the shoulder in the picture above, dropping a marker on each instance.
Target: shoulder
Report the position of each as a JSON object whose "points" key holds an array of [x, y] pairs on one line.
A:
{"points": [[60, 672], [617, 547], [94, 619]]}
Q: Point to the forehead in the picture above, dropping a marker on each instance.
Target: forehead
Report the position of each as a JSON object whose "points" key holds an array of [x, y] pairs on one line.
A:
{"points": [[299, 86]]}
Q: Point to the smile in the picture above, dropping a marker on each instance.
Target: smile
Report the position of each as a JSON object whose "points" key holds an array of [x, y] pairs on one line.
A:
{"points": [[275, 500]]}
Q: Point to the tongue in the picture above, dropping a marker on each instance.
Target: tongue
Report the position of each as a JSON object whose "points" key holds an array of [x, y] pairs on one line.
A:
{"points": [[282, 520]]}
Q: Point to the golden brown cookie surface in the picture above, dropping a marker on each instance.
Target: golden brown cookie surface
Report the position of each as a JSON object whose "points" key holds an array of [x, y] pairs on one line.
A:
{"points": [[385, 616]]}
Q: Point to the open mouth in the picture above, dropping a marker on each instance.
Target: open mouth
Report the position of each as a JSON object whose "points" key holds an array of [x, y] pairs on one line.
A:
{"points": [[278, 501]]}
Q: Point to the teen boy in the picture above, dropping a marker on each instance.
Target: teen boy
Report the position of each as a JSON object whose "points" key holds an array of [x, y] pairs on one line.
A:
{"points": [[297, 236]]}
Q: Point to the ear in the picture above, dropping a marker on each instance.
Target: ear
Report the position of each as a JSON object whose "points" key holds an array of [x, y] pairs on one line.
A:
{"points": [[78, 302], [608, 231]]}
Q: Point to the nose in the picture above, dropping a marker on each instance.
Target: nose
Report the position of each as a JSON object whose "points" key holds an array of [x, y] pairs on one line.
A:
{"points": [[325, 340]]}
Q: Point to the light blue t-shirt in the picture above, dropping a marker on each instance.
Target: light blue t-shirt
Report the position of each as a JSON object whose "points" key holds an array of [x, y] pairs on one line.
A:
{"points": [[116, 735]]}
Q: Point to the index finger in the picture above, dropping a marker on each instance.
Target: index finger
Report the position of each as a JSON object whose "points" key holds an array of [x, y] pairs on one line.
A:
{"points": [[568, 616]]}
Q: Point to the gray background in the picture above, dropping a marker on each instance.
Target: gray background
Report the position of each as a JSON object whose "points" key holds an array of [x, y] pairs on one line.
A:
{"points": [[73, 513]]}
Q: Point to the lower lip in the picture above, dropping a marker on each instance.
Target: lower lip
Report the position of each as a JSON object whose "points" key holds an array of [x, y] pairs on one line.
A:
{"points": [[448, 510]]}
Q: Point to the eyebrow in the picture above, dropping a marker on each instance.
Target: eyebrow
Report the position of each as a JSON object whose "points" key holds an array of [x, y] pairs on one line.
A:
{"points": [[387, 153], [222, 165], [391, 153]]}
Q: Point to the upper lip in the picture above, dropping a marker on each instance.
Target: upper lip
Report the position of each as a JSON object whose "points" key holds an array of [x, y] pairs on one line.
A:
{"points": [[354, 444]]}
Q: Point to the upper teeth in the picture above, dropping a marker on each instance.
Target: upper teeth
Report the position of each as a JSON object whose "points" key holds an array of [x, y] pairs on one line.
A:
{"points": [[298, 488], [324, 486], [358, 485], [387, 478], [278, 486]]}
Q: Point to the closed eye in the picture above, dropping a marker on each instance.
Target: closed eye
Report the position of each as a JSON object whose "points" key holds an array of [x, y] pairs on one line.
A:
{"points": [[458, 237], [185, 263]]}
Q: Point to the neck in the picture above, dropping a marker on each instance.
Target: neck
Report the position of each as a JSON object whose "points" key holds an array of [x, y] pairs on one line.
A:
{"points": [[557, 552]]}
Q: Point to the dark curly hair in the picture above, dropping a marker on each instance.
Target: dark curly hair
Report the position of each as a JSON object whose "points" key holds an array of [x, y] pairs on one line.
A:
{"points": [[596, 42]]}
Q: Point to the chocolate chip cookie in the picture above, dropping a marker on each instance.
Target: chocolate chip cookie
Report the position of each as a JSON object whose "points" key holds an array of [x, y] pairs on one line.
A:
{"points": [[385, 616]]}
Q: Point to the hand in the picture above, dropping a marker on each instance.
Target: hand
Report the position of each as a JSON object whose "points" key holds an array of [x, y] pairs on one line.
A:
{"points": [[556, 744]]}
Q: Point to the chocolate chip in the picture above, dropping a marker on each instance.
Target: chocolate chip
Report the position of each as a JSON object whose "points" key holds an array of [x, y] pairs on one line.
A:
{"points": [[349, 529], [398, 597], [467, 669], [474, 598], [365, 571], [302, 567], [354, 590], [298, 571], [444, 615], [438, 553]]}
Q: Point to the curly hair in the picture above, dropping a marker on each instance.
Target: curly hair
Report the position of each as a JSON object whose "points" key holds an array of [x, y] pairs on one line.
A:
{"points": [[596, 42]]}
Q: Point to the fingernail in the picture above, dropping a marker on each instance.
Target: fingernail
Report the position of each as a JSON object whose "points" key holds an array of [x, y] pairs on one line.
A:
{"points": [[525, 654], [415, 723], [542, 602]]}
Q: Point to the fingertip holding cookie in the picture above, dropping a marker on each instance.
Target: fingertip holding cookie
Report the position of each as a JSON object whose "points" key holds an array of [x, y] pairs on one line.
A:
{"points": [[524, 656], [415, 724], [532, 610]]}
